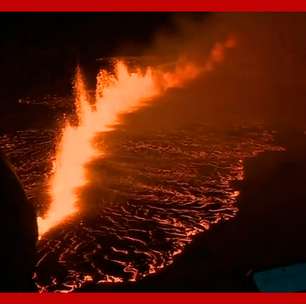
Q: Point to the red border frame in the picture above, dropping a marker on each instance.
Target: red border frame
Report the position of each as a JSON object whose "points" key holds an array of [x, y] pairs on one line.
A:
{"points": [[153, 5], [153, 298], [142, 6]]}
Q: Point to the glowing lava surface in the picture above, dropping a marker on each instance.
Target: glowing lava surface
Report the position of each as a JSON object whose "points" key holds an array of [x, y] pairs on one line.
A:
{"points": [[133, 200]]}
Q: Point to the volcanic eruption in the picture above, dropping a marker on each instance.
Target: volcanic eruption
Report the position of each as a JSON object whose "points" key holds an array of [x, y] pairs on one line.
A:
{"points": [[118, 92]]}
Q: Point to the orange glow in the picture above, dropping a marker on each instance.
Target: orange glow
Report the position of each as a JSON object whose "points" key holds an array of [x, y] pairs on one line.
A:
{"points": [[73, 152], [116, 94]]}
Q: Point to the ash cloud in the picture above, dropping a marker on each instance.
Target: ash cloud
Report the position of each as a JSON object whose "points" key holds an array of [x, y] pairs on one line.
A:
{"points": [[261, 79]]}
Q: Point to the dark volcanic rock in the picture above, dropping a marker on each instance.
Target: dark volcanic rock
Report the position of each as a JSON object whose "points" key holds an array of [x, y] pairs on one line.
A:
{"points": [[18, 233]]}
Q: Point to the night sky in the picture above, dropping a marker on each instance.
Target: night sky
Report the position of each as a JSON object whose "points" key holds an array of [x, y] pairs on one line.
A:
{"points": [[41, 50], [264, 76], [37, 48]]}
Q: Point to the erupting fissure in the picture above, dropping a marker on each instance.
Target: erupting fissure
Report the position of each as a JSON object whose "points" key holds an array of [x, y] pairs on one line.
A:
{"points": [[117, 94]]}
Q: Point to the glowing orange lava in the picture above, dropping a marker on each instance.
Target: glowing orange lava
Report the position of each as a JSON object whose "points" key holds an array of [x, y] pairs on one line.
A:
{"points": [[117, 94]]}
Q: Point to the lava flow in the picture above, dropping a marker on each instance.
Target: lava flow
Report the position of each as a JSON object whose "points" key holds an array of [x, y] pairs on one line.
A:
{"points": [[117, 94]]}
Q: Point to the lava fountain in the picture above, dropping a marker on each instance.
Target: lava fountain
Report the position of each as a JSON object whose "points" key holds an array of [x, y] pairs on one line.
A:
{"points": [[117, 94]]}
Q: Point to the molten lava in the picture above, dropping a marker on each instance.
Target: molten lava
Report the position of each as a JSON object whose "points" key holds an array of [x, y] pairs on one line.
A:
{"points": [[117, 94]]}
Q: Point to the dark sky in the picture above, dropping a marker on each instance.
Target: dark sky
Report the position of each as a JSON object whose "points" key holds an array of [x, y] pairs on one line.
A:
{"points": [[264, 76], [102, 31], [39, 49]]}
